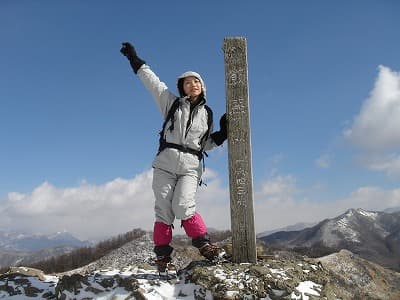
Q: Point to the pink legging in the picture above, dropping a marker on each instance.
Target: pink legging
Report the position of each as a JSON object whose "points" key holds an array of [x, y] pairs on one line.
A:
{"points": [[194, 228]]}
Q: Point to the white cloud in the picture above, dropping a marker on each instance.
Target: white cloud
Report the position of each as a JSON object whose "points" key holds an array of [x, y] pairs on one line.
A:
{"points": [[387, 163], [376, 127], [375, 130], [278, 186], [87, 211], [96, 211], [92, 211], [280, 203], [372, 198]]}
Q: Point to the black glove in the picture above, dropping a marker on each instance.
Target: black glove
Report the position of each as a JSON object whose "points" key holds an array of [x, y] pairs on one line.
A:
{"points": [[223, 124], [220, 136], [129, 51]]}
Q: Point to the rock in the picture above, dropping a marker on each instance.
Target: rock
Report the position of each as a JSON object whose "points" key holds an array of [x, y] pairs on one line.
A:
{"points": [[349, 272], [27, 271], [31, 291], [71, 284]]}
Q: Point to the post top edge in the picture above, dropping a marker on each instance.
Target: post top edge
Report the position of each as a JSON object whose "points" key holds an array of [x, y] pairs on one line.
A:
{"points": [[235, 38]]}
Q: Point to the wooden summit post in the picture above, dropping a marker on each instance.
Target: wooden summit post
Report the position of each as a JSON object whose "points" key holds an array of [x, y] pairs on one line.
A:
{"points": [[239, 151]]}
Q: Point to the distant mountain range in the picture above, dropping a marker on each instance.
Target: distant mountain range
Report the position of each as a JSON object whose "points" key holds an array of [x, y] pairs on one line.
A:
{"points": [[36, 242], [372, 235], [295, 227], [18, 248], [392, 209]]}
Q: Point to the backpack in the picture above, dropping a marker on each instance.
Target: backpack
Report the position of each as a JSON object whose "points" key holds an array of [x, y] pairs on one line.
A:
{"points": [[164, 144]]}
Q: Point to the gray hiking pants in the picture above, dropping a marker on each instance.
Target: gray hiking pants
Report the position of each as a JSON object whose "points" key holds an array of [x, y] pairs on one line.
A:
{"points": [[174, 195]]}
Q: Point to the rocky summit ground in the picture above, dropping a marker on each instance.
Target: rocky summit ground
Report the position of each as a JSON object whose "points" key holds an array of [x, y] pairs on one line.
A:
{"points": [[128, 273]]}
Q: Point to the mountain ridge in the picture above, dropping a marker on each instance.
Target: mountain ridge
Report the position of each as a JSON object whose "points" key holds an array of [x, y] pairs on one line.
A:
{"points": [[18, 241], [373, 235], [18, 248]]}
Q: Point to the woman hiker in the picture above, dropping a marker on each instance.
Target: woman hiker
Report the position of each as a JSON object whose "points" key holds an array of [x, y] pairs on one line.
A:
{"points": [[177, 167]]}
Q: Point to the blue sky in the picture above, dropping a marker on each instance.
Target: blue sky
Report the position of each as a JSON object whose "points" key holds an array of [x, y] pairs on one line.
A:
{"points": [[78, 130]]}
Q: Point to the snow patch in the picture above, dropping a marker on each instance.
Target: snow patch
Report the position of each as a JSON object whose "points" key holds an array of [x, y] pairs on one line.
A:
{"points": [[306, 288], [344, 227], [280, 273], [368, 214]]}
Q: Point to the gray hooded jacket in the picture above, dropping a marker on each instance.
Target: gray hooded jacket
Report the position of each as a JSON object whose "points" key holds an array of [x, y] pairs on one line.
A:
{"points": [[185, 132]]}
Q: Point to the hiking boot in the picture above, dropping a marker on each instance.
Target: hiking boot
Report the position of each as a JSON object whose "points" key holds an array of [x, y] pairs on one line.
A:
{"points": [[162, 263], [210, 251]]}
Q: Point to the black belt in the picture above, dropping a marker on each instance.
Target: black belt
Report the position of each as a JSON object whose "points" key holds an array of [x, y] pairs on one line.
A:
{"points": [[182, 148]]}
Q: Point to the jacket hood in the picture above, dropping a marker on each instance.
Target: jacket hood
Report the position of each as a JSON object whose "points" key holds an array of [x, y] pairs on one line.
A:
{"points": [[187, 74]]}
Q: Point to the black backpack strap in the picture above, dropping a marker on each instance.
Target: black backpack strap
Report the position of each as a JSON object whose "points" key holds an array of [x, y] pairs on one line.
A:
{"points": [[209, 125], [170, 116], [206, 136]]}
